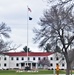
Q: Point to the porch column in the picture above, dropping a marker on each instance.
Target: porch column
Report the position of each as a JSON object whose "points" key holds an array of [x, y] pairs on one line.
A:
{"points": [[25, 64], [36, 65], [31, 65], [20, 66]]}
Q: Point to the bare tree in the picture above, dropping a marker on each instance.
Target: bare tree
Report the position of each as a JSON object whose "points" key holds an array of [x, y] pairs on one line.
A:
{"points": [[44, 62], [59, 2], [4, 34], [57, 28], [4, 31]]}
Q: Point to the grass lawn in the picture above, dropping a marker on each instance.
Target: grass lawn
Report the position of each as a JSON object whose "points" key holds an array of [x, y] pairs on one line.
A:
{"points": [[13, 72]]}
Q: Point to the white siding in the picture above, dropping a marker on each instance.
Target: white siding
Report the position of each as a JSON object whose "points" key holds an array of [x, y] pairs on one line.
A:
{"points": [[59, 61], [2, 62], [12, 63]]}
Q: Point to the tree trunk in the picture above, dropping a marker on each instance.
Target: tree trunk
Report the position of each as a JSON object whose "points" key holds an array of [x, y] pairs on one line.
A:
{"points": [[68, 69]]}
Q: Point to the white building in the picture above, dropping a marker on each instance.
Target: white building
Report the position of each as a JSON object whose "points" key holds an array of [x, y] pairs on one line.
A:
{"points": [[18, 60]]}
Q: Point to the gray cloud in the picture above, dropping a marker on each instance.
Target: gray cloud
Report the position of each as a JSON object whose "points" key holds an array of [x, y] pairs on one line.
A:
{"points": [[14, 14]]}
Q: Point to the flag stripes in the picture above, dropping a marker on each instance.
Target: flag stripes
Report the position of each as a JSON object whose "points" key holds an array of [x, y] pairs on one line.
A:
{"points": [[29, 9]]}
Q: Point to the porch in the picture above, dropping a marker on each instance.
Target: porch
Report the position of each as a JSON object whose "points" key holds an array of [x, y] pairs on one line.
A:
{"points": [[29, 64]]}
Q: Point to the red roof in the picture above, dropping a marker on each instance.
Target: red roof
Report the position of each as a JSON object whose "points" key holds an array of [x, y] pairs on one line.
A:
{"points": [[29, 54]]}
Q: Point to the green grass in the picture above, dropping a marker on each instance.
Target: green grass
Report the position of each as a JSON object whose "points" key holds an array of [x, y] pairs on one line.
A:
{"points": [[13, 72]]}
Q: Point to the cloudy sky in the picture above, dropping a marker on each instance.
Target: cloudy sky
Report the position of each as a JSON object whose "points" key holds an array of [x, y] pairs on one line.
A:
{"points": [[14, 14]]}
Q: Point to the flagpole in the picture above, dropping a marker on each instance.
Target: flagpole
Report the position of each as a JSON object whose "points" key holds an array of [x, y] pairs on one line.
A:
{"points": [[27, 34], [28, 18]]}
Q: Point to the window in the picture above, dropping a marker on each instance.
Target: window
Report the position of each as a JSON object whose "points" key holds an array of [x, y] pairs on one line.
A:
{"points": [[57, 58], [17, 58], [0, 58], [33, 58], [22, 58], [44, 58], [51, 64], [51, 58], [62, 58], [11, 58], [4, 58], [34, 64], [63, 65], [4, 64], [17, 64], [22, 64], [39, 58]]}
